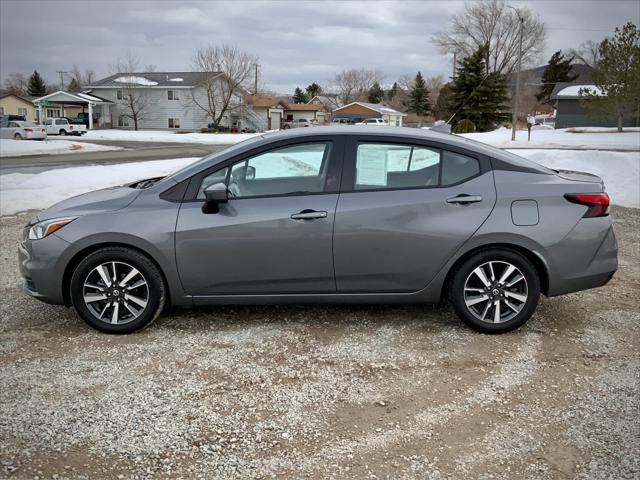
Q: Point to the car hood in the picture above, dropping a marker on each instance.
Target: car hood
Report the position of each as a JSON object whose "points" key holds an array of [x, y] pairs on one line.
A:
{"points": [[106, 200]]}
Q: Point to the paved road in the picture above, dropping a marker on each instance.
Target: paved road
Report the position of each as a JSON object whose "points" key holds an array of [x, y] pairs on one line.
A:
{"points": [[133, 152]]}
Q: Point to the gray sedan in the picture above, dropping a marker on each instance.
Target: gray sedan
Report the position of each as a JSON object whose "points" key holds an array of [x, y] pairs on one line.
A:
{"points": [[19, 130], [333, 215]]}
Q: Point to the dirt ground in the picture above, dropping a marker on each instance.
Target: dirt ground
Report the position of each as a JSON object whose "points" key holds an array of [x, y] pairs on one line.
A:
{"points": [[324, 392]]}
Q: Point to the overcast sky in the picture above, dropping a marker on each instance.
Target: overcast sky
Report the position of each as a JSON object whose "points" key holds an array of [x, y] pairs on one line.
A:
{"points": [[298, 42]]}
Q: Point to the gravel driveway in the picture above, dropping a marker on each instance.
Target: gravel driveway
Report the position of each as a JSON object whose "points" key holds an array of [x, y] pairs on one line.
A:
{"points": [[338, 392]]}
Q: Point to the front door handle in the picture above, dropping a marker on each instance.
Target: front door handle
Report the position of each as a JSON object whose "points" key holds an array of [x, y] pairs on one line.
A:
{"points": [[465, 199], [308, 215]]}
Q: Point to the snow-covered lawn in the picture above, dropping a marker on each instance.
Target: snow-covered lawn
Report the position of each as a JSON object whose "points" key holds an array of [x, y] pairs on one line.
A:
{"points": [[588, 138], [19, 148], [19, 191], [167, 136]]}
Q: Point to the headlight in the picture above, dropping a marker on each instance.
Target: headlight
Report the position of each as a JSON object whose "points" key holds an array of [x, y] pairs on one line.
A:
{"points": [[47, 227]]}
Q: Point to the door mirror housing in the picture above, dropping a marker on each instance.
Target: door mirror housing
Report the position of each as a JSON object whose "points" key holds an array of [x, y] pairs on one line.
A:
{"points": [[216, 193], [250, 173]]}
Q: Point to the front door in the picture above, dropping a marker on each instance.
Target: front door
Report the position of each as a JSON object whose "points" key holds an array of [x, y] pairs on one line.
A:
{"points": [[402, 213], [275, 233]]}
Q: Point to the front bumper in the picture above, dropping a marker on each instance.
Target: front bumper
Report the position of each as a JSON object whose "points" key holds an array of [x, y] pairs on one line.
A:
{"points": [[41, 270]]}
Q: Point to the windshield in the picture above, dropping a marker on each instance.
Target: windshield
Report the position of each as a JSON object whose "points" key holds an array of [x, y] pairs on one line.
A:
{"points": [[229, 149]]}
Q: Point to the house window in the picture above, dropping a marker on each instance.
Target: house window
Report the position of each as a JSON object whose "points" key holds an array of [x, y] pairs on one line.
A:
{"points": [[22, 111], [119, 94], [1, 110], [174, 123], [53, 112], [123, 121], [172, 95]]}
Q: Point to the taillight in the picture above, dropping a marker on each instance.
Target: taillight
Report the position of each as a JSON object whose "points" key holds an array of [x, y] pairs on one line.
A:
{"points": [[28, 129], [597, 203]]}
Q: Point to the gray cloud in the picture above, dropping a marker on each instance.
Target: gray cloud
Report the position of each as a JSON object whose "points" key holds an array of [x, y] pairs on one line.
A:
{"points": [[297, 42]]}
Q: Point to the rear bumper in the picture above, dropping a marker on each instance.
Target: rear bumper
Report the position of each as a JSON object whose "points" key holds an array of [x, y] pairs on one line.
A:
{"points": [[586, 258]]}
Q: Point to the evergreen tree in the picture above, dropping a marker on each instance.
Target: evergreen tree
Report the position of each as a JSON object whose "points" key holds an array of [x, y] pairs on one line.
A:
{"points": [[558, 70], [37, 87], [313, 90], [441, 110], [617, 76], [477, 95], [299, 96], [375, 93], [394, 91], [419, 97], [74, 85]]}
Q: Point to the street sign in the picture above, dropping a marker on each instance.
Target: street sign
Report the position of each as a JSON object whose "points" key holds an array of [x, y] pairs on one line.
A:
{"points": [[44, 103]]}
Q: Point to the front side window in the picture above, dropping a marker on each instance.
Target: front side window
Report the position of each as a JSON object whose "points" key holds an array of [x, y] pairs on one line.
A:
{"points": [[389, 166], [48, 122], [298, 169]]}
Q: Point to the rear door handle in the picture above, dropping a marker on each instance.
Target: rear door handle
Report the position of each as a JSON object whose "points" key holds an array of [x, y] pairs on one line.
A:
{"points": [[464, 199], [308, 215]]}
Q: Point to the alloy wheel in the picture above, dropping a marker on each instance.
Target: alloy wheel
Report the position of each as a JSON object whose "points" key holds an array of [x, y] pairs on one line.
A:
{"points": [[495, 292], [115, 293]]}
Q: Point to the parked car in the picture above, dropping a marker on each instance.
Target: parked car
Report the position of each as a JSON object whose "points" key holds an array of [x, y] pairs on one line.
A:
{"points": [[346, 120], [83, 119], [19, 130], [298, 123], [373, 121], [62, 126], [8, 118], [339, 215]]}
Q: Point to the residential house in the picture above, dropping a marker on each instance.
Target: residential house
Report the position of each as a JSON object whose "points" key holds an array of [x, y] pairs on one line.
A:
{"points": [[11, 104], [570, 113], [272, 111], [327, 100], [172, 100], [370, 110], [71, 104]]}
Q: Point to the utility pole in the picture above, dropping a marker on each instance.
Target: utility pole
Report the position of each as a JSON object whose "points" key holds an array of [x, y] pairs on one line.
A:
{"points": [[454, 65], [61, 73], [514, 118], [255, 82]]}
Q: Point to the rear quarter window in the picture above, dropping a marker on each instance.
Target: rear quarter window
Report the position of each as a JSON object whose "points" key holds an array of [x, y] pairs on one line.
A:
{"points": [[457, 168]]}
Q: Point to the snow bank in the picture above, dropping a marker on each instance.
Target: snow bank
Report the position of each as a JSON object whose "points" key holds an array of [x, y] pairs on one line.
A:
{"points": [[19, 191], [605, 139], [25, 191], [167, 136], [18, 148], [132, 79], [619, 170]]}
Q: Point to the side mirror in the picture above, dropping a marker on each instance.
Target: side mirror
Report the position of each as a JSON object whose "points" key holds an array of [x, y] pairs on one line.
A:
{"points": [[250, 174], [216, 193]]}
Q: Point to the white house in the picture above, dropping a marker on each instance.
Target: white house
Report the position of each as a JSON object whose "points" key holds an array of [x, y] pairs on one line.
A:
{"points": [[171, 100], [272, 111]]}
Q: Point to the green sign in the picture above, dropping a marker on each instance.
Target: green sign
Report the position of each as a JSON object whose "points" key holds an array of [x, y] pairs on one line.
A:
{"points": [[44, 103]]}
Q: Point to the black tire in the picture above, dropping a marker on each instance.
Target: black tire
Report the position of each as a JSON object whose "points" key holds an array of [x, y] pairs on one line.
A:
{"points": [[501, 257], [155, 290], [17, 136], [62, 132], [285, 127]]}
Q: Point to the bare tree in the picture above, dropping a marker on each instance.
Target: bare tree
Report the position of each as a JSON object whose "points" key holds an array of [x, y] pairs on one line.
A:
{"points": [[352, 85], [16, 83], [82, 80], [228, 71], [135, 101], [588, 53], [490, 22], [434, 85]]}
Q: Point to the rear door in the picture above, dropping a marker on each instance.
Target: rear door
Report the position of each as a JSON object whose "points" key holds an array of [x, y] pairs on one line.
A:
{"points": [[274, 236], [405, 207]]}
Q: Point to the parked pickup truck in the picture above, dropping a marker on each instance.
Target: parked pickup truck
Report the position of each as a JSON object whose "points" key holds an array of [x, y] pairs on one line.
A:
{"points": [[62, 126]]}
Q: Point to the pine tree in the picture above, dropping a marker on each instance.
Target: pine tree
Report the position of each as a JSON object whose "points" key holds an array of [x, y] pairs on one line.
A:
{"points": [[394, 91], [313, 90], [558, 70], [375, 93], [74, 85], [419, 97], [37, 87], [477, 95], [617, 76], [299, 96]]}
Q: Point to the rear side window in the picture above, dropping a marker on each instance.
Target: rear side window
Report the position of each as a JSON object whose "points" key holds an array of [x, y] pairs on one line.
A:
{"points": [[457, 168]]}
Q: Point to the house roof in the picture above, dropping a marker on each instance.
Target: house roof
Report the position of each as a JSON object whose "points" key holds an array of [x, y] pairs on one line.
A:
{"points": [[570, 91], [155, 79], [4, 94], [265, 101], [377, 107], [303, 107], [62, 97], [330, 100]]}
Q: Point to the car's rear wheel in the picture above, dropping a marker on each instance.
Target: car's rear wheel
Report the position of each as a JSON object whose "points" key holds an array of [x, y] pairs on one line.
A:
{"points": [[17, 136], [117, 290], [495, 291]]}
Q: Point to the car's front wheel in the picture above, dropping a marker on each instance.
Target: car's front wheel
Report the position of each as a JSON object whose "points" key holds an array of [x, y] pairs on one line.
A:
{"points": [[117, 290], [62, 132], [495, 290], [17, 136]]}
